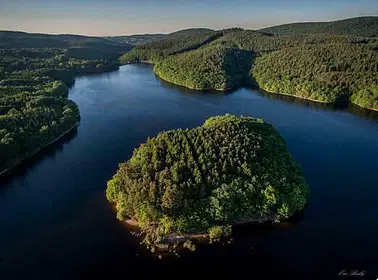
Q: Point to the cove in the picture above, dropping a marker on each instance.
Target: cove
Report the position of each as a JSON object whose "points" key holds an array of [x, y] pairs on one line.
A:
{"points": [[55, 222]]}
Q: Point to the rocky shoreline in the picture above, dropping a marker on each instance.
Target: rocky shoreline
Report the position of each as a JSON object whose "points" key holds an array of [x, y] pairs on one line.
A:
{"points": [[175, 242]]}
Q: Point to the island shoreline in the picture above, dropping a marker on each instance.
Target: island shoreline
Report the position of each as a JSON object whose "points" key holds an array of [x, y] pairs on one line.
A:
{"points": [[198, 237]]}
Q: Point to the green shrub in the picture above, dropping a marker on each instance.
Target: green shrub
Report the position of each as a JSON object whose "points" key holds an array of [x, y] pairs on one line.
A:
{"points": [[217, 232]]}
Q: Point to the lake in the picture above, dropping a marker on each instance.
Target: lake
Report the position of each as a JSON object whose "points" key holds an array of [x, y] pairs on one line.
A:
{"points": [[55, 222]]}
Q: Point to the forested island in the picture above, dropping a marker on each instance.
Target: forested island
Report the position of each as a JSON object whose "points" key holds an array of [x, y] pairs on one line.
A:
{"points": [[206, 179], [35, 73], [326, 62]]}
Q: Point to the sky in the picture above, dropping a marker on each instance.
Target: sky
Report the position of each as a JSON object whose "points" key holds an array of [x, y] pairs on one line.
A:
{"points": [[125, 17]]}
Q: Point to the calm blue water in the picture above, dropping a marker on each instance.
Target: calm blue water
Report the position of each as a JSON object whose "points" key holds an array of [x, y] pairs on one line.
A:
{"points": [[56, 224]]}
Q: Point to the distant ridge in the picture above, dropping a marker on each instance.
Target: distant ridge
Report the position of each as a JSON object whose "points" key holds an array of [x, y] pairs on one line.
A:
{"points": [[18, 39], [360, 26], [135, 40], [140, 39], [189, 32]]}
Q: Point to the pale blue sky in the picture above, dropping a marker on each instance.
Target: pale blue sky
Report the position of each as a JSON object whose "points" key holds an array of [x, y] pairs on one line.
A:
{"points": [[122, 17]]}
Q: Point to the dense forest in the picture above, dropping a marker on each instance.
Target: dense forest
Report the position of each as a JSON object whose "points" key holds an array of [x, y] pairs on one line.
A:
{"points": [[17, 40], [175, 43], [322, 66], [205, 179], [361, 26], [140, 39], [136, 39], [35, 73], [329, 72], [212, 67]]}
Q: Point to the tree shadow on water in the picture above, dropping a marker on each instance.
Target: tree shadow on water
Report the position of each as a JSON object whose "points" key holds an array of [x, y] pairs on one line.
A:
{"points": [[195, 92], [250, 230], [49, 151], [335, 107]]}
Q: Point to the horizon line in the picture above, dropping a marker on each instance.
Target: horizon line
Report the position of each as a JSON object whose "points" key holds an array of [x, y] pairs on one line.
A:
{"points": [[188, 28]]}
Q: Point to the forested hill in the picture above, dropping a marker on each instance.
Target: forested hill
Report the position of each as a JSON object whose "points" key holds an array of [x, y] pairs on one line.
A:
{"points": [[140, 39], [322, 67], [135, 40], [189, 32], [90, 45], [17, 39], [216, 67], [174, 43], [361, 26]]}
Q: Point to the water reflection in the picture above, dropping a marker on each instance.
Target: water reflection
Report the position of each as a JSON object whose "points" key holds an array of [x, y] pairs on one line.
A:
{"points": [[343, 107], [187, 91], [51, 151], [55, 220], [362, 112]]}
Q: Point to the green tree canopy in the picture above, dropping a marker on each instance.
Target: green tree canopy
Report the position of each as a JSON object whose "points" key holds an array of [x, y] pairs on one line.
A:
{"points": [[228, 170]]}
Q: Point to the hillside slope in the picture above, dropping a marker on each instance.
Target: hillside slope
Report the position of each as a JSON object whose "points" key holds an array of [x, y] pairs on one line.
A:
{"points": [[361, 26], [96, 48], [324, 72], [321, 67], [135, 40], [216, 67], [178, 42]]}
